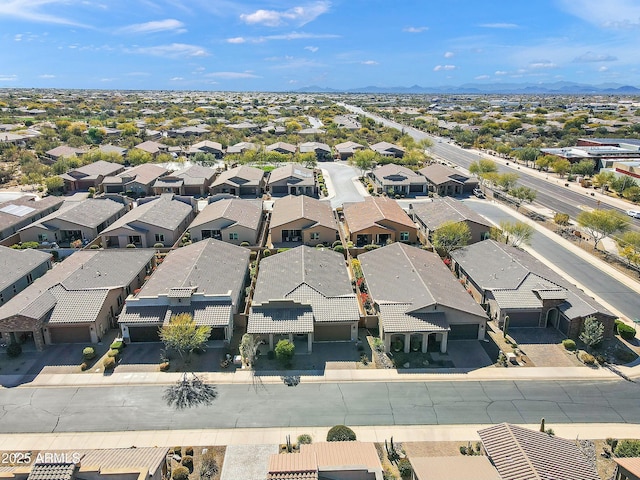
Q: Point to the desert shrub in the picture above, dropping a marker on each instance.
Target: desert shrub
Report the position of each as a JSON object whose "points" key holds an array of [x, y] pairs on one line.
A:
{"points": [[341, 433], [569, 344], [304, 439], [266, 253], [587, 358], [158, 245], [280, 250], [628, 448], [463, 449], [208, 466], [378, 344], [371, 246], [180, 473], [561, 218], [130, 245], [113, 353], [320, 245], [284, 351], [14, 350], [95, 246], [84, 366], [177, 450], [164, 366], [338, 248], [336, 243], [109, 363], [404, 467], [187, 461], [88, 353], [188, 451], [117, 345], [625, 331]]}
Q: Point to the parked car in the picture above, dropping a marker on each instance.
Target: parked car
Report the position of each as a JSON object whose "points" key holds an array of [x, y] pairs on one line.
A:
{"points": [[478, 193], [633, 213]]}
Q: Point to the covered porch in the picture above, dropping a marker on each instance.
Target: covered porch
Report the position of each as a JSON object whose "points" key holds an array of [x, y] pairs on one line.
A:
{"points": [[283, 320], [405, 331]]}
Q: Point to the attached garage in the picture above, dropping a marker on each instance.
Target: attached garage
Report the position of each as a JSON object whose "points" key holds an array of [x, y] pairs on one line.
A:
{"points": [[217, 334], [524, 319], [465, 331], [73, 334], [328, 333], [279, 189], [144, 334]]}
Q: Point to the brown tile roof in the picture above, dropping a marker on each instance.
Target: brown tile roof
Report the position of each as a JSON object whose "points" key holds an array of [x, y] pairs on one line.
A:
{"points": [[293, 466], [240, 176], [247, 213], [362, 215], [441, 210], [632, 464], [292, 170], [522, 454], [454, 468], [439, 174], [292, 208]]}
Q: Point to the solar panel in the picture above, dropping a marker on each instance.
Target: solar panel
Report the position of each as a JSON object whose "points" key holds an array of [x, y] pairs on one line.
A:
{"points": [[300, 173], [17, 210]]}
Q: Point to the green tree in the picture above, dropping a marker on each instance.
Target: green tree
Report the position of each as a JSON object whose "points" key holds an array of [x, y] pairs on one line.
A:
{"points": [[561, 166], [602, 223], [184, 336], [545, 161], [523, 194], [507, 181], [364, 160], [561, 219], [528, 154], [620, 183], [629, 245], [135, 156], [341, 433], [307, 159], [482, 167], [249, 349], [592, 332], [628, 448], [632, 193], [451, 236], [583, 167], [516, 233], [54, 184], [284, 351], [603, 179]]}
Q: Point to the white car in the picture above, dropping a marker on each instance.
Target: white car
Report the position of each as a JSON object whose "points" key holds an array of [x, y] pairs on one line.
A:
{"points": [[633, 213]]}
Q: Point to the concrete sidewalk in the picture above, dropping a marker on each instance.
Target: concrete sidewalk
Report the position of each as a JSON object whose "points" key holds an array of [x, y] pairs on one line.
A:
{"points": [[260, 436]]}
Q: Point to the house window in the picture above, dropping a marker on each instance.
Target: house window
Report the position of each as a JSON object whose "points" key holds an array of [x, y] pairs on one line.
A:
{"points": [[42, 237], [1, 298], [233, 236], [315, 235], [404, 236], [159, 237], [29, 279]]}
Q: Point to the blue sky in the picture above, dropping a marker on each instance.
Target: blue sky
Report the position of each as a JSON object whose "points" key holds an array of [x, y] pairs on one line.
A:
{"points": [[288, 44]]}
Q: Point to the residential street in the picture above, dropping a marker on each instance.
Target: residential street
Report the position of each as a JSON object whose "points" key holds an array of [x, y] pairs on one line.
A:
{"points": [[104, 409], [342, 176]]}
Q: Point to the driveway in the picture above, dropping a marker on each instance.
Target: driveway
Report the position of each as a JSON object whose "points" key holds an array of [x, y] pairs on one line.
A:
{"points": [[342, 177], [543, 347], [247, 462]]}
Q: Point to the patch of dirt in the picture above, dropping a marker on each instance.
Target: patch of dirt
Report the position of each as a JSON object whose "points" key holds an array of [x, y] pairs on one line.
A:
{"points": [[433, 449], [217, 452]]}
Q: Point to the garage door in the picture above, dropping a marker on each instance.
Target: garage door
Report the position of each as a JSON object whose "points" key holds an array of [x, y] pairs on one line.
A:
{"points": [[524, 319], [279, 189], [70, 334], [332, 333], [217, 334], [464, 332], [144, 334]]}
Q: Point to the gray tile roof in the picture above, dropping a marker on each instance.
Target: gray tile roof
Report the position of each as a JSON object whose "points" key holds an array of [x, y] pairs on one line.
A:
{"points": [[386, 147], [192, 266], [391, 174], [280, 318], [98, 168], [314, 146], [522, 454], [396, 319], [211, 314], [52, 471], [195, 175], [286, 147], [76, 306], [496, 266], [295, 207], [240, 176], [441, 210], [88, 213], [439, 174], [400, 273], [7, 219], [163, 212], [327, 309], [147, 315], [529, 294], [246, 213], [16, 264], [144, 174], [299, 174]]}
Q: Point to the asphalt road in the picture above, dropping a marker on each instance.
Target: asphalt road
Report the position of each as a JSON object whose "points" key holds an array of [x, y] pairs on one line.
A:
{"points": [[555, 197], [96, 409], [607, 288], [342, 178]]}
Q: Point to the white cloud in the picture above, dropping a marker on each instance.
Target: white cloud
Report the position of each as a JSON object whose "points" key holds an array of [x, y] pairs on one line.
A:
{"points": [[107, 79], [448, 54], [312, 49], [615, 14], [284, 36], [232, 75], [501, 72], [439, 68], [18, 37], [138, 74], [176, 79], [173, 50], [594, 57], [542, 64], [482, 77], [369, 62], [47, 75], [299, 16], [8, 78], [499, 25], [168, 25], [603, 69], [31, 10], [415, 29], [236, 40]]}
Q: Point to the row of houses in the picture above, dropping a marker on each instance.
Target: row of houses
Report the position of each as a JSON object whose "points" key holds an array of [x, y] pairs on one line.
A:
{"points": [[436, 178]]}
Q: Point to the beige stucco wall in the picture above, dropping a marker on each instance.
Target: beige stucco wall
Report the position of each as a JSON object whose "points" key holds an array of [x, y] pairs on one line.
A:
{"points": [[327, 235]]}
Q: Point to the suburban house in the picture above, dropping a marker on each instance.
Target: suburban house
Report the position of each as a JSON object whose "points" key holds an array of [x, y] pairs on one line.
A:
{"points": [[462, 467], [292, 179], [75, 221], [156, 220], [63, 151], [378, 220], [194, 180], [113, 149], [430, 216], [304, 294], [302, 220], [520, 453], [188, 131], [78, 300], [387, 149], [322, 151], [345, 150], [19, 269], [207, 146], [23, 211], [90, 175], [185, 283], [231, 220], [241, 181], [444, 181], [398, 180], [327, 460], [510, 282], [421, 305], [152, 147], [136, 181], [627, 468], [281, 147], [240, 148]]}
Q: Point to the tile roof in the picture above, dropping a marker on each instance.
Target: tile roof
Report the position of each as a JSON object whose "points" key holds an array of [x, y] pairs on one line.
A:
{"points": [[144, 174], [362, 215], [293, 466], [246, 213], [438, 174], [280, 317], [163, 212], [400, 273], [76, 306], [347, 146], [241, 147], [446, 209], [295, 207], [240, 176], [631, 464], [326, 309], [398, 318], [16, 264], [8, 219], [313, 146], [150, 146], [64, 151], [117, 460], [403, 175], [87, 213], [98, 168], [52, 471], [454, 468], [383, 147], [522, 454], [281, 146], [300, 174], [195, 174]]}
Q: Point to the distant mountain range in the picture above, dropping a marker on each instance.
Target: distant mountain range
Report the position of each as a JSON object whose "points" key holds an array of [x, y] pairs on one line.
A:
{"points": [[558, 88]]}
